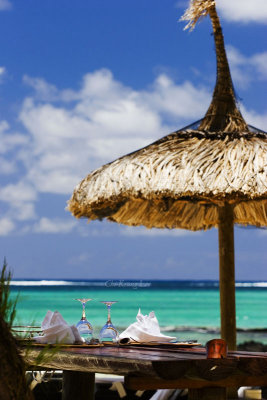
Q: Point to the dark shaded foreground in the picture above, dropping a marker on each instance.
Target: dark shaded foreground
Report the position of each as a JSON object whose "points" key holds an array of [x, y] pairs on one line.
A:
{"points": [[13, 384]]}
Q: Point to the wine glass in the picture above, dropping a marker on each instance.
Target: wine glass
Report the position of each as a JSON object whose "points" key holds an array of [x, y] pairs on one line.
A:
{"points": [[84, 327], [109, 333]]}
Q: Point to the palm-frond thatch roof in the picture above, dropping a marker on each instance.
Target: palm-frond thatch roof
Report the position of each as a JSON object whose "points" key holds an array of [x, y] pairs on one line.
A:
{"points": [[181, 180]]}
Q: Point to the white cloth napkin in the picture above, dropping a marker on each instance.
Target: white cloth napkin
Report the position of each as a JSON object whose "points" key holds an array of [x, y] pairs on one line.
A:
{"points": [[56, 330], [145, 329]]}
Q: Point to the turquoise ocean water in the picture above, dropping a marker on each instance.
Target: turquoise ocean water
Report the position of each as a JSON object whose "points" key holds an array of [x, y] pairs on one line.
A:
{"points": [[185, 309]]}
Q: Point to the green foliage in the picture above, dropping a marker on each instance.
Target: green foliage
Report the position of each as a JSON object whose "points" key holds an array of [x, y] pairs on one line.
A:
{"points": [[7, 306], [46, 354], [8, 312]]}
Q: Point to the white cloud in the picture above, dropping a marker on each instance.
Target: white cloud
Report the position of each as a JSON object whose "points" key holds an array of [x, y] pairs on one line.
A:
{"points": [[259, 61], [2, 74], [69, 133], [243, 10], [20, 197], [46, 225], [5, 5], [44, 90], [245, 69], [107, 229], [254, 119], [103, 120], [10, 140], [23, 211], [142, 231], [80, 259], [6, 226], [179, 101], [17, 192], [7, 167], [182, 4]]}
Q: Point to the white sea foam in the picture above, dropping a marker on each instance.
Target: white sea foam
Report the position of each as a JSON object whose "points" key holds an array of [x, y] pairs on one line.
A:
{"points": [[40, 283], [131, 284], [45, 282], [251, 284], [109, 283]]}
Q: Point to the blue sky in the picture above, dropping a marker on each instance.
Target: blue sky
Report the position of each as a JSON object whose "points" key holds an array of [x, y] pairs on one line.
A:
{"points": [[84, 82]]}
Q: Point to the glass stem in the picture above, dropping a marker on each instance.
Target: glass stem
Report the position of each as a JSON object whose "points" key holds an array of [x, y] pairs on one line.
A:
{"points": [[109, 319], [83, 315]]}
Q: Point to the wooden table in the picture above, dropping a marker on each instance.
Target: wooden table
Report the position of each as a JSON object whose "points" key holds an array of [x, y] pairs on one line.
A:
{"points": [[153, 368]]}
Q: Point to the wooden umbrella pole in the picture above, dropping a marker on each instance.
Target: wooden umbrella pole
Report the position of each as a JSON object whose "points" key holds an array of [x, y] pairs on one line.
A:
{"points": [[227, 275], [223, 114]]}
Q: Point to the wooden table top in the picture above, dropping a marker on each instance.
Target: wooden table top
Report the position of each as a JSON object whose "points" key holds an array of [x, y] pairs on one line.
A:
{"points": [[159, 363]]}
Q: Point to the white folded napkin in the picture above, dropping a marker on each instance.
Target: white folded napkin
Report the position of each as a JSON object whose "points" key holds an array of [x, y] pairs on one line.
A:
{"points": [[145, 329], [56, 330]]}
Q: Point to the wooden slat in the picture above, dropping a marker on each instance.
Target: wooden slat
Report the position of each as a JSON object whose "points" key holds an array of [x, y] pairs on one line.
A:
{"points": [[78, 385], [141, 351], [209, 393], [153, 363], [146, 383], [202, 369], [85, 362], [248, 354]]}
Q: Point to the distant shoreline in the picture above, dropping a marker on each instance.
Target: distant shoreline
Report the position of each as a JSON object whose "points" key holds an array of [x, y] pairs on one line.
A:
{"points": [[137, 283]]}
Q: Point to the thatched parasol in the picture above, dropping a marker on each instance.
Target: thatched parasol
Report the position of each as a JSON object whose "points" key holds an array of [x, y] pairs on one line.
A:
{"points": [[213, 173]]}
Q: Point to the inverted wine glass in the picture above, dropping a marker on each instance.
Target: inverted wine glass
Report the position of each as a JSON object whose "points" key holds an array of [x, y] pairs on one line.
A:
{"points": [[84, 327], [109, 333]]}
